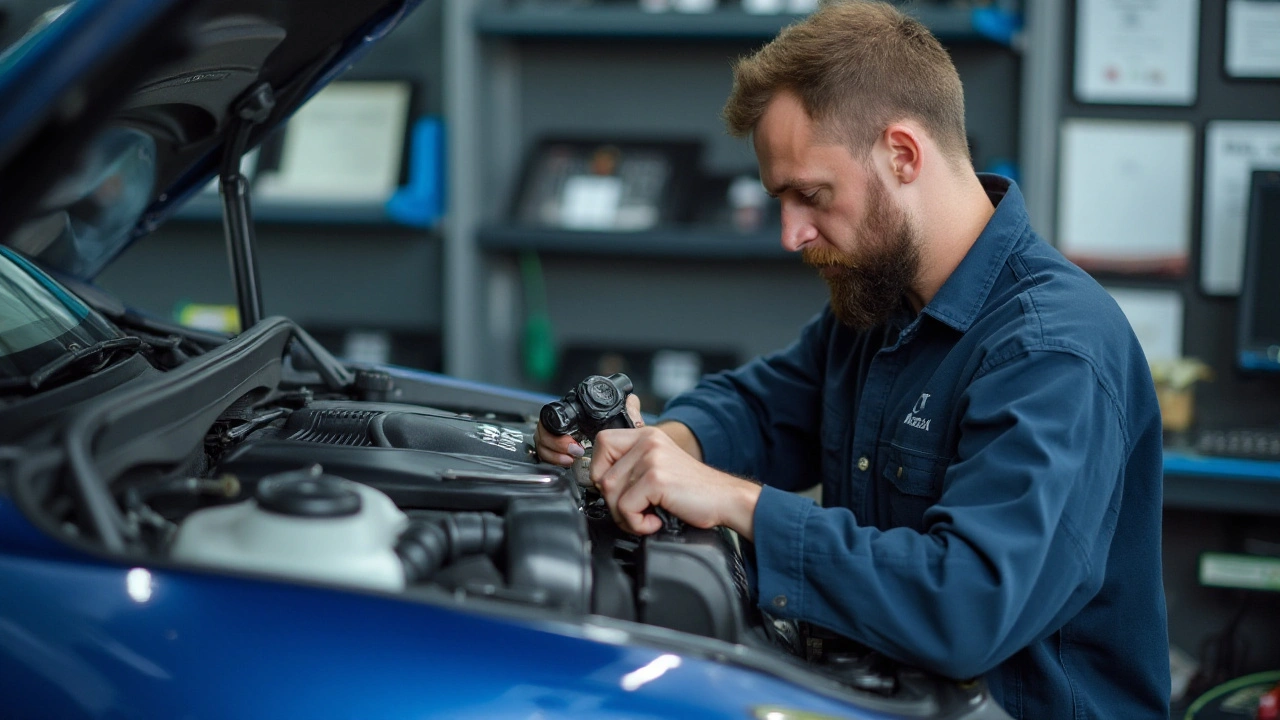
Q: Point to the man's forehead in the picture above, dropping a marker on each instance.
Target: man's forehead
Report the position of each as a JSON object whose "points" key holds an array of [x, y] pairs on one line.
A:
{"points": [[810, 167]]}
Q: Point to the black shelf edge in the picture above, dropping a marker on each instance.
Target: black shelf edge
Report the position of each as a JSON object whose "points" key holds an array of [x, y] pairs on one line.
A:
{"points": [[685, 242], [947, 23]]}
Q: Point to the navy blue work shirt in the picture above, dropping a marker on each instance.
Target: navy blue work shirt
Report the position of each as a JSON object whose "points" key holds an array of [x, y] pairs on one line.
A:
{"points": [[991, 479]]}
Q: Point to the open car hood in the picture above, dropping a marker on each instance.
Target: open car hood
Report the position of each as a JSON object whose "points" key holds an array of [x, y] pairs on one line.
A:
{"points": [[117, 111]]}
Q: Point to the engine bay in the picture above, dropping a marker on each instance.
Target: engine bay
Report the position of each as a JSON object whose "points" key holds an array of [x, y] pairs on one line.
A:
{"points": [[389, 496], [260, 458]]}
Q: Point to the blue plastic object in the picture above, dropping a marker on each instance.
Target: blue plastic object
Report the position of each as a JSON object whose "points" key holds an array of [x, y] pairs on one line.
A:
{"points": [[1005, 167], [421, 202], [997, 25], [1257, 360], [1190, 464]]}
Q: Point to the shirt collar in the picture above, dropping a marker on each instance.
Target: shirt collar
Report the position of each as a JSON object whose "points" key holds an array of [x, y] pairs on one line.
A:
{"points": [[961, 297]]}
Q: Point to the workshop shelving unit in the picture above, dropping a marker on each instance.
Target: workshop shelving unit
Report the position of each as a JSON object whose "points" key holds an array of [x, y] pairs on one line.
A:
{"points": [[519, 72]]}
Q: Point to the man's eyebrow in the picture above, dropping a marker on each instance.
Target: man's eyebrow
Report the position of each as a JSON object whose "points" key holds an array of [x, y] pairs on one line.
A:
{"points": [[789, 183], [784, 186]]}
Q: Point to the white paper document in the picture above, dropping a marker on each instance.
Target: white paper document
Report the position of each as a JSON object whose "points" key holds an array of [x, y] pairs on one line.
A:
{"points": [[1233, 150], [1253, 38], [1137, 51], [1156, 318], [344, 145], [590, 202], [1124, 195]]}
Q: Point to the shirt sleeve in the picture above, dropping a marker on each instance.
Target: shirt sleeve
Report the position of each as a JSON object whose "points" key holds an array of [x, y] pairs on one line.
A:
{"points": [[761, 420], [1014, 547]]}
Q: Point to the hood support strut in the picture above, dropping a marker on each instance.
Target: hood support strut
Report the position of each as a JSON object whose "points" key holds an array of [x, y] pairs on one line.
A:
{"points": [[237, 217]]}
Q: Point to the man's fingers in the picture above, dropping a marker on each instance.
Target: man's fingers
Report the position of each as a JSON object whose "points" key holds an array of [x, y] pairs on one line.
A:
{"points": [[633, 411], [612, 462], [645, 523], [556, 449], [633, 508], [613, 444]]}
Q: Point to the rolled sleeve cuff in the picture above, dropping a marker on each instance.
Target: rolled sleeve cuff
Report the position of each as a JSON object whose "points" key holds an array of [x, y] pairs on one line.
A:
{"points": [[780, 519], [717, 447]]}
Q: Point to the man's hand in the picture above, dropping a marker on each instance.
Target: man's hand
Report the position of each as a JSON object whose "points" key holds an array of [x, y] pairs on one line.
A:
{"points": [[637, 469], [563, 449]]}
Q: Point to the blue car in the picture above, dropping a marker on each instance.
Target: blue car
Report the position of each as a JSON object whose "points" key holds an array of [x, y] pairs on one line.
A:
{"points": [[195, 525]]}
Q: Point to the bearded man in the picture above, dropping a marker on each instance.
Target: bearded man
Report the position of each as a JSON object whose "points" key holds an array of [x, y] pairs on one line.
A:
{"points": [[976, 409]]}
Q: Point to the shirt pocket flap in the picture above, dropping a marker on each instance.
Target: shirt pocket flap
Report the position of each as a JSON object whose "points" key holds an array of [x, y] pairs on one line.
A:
{"points": [[914, 474]]}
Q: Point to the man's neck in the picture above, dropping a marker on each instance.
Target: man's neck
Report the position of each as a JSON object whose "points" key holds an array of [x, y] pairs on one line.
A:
{"points": [[954, 218]]}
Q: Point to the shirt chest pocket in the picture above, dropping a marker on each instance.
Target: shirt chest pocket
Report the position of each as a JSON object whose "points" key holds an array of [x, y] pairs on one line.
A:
{"points": [[910, 482]]}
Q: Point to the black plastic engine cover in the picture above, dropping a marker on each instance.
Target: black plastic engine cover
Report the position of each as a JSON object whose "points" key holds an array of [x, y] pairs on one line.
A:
{"points": [[402, 426], [694, 581], [412, 478], [547, 551]]}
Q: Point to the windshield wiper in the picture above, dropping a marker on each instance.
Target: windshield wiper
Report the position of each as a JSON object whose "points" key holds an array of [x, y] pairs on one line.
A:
{"points": [[76, 356]]}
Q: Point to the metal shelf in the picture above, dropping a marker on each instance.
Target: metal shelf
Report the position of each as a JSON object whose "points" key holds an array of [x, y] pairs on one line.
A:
{"points": [[683, 242], [949, 24], [205, 207], [208, 208]]}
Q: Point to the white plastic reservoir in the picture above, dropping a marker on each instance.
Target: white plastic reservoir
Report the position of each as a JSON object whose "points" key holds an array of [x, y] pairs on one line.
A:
{"points": [[303, 525]]}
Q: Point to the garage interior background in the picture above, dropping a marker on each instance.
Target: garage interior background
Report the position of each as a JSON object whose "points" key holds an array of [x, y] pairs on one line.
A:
{"points": [[481, 296]]}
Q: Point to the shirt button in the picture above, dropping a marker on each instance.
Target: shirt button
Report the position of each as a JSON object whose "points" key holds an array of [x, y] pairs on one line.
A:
{"points": [[780, 601], [863, 463]]}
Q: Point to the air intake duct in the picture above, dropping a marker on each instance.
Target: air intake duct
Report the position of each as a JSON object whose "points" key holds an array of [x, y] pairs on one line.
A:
{"points": [[426, 546]]}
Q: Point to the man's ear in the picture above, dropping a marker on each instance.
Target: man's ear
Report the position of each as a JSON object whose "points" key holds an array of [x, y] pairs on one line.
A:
{"points": [[906, 151]]}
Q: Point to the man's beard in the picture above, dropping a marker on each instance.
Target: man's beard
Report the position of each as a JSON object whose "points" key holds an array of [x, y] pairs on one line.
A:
{"points": [[868, 286]]}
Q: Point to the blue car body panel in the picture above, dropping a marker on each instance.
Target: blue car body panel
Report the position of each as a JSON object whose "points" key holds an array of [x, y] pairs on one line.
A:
{"points": [[435, 378], [35, 73], [81, 637]]}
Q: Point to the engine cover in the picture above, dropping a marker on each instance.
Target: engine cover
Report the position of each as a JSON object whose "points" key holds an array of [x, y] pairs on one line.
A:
{"points": [[403, 426]]}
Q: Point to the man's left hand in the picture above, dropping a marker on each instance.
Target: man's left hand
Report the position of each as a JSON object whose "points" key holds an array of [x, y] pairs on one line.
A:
{"points": [[638, 469]]}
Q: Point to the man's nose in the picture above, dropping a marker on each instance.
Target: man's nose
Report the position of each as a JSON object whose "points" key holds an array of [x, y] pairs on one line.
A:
{"points": [[797, 229]]}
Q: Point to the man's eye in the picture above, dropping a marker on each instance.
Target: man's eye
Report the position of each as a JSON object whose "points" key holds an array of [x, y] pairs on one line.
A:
{"points": [[810, 198]]}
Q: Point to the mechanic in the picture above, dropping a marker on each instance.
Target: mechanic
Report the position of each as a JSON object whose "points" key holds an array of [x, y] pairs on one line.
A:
{"points": [[977, 410]]}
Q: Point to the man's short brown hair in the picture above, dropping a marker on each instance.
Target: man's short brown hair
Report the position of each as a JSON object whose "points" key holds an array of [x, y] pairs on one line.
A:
{"points": [[857, 66]]}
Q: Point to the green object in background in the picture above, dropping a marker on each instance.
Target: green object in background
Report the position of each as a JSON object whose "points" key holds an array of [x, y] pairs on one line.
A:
{"points": [[1250, 572], [1206, 703], [218, 318], [538, 347]]}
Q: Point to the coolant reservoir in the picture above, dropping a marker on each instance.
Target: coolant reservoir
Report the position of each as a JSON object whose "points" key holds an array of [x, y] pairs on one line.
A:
{"points": [[304, 525]]}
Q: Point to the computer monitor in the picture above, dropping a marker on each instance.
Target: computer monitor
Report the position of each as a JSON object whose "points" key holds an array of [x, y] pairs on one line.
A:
{"points": [[1258, 340]]}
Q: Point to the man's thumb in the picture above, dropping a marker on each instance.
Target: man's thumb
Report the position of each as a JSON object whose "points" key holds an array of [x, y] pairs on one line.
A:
{"points": [[633, 411]]}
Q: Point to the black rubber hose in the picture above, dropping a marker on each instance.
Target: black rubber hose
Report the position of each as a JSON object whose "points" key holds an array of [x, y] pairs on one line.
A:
{"points": [[425, 547]]}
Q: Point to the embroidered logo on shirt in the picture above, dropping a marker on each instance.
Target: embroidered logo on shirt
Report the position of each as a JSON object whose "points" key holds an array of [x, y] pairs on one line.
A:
{"points": [[912, 419]]}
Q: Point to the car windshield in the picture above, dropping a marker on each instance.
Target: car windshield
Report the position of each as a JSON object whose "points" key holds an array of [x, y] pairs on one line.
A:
{"points": [[39, 319]]}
